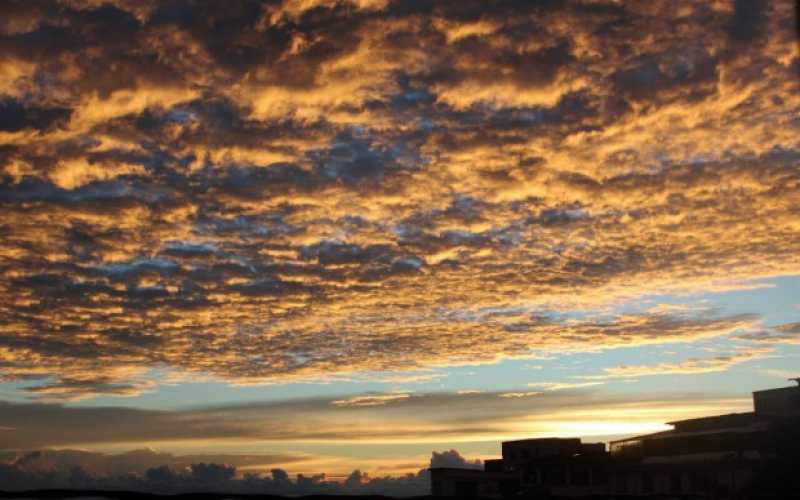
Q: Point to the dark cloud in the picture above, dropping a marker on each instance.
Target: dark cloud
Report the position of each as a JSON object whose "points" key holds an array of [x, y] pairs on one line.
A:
{"points": [[137, 470], [353, 160], [695, 73], [16, 116], [270, 287], [332, 252], [453, 459], [95, 196], [185, 249], [749, 20]]}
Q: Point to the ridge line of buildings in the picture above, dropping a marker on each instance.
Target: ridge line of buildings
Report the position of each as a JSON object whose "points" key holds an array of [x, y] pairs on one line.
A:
{"points": [[713, 457]]}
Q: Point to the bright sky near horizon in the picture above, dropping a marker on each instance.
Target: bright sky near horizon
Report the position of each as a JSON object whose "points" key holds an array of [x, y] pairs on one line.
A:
{"points": [[329, 235]]}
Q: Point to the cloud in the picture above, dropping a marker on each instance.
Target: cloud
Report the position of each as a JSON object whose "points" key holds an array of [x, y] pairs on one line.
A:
{"points": [[74, 389], [371, 400], [303, 350], [133, 471], [16, 116], [453, 459], [778, 373], [689, 366], [787, 333], [518, 394], [282, 191], [137, 461], [558, 386], [404, 418], [789, 328]]}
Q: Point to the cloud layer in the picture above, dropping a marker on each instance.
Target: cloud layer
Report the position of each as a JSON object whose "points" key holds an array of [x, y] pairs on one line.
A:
{"points": [[265, 191], [146, 470], [413, 418]]}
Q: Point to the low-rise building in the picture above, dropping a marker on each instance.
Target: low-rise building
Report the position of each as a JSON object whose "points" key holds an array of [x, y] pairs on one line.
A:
{"points": [[714, 457], [473, 483], [559, 466]]}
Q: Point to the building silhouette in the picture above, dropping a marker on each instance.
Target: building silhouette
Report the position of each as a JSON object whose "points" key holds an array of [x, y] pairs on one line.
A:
{"points": [[722, 456]]}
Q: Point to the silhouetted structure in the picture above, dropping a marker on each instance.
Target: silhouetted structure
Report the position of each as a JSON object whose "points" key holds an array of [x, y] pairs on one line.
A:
{"points": [[471, 483], [714, 457], [560, 466]]}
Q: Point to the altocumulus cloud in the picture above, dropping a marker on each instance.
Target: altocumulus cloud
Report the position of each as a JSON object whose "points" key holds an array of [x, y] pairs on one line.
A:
{"points": [[273, 191]]}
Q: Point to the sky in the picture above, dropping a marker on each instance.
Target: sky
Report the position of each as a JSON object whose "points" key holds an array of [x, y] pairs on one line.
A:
{"points": [[322, 236]]}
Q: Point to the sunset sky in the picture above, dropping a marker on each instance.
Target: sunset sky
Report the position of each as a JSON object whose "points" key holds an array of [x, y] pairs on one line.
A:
{"points": [[328, 235]]}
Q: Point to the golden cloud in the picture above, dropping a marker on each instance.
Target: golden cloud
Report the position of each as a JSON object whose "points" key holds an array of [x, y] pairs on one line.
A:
{"points": [[321, 189]]}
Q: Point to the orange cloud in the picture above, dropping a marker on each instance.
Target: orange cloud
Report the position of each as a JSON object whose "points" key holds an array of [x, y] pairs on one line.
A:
{"points": [[316, 190]]}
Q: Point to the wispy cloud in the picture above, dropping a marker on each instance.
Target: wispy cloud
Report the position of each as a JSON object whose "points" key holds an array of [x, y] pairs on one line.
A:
{"points": [[788, 333], [557, 386], [686, 367], [518, 394], [781, 373], [372, 399]]}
